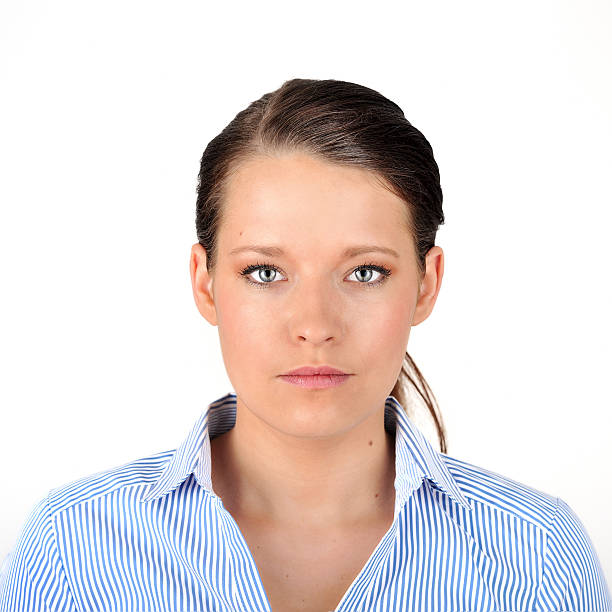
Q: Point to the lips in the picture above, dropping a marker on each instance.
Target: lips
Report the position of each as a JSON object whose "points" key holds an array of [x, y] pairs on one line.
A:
{"points": [[315, 371], [321, 380]]}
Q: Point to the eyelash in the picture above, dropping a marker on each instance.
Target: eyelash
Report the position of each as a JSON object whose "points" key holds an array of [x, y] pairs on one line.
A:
{"points": [[385, 272]]}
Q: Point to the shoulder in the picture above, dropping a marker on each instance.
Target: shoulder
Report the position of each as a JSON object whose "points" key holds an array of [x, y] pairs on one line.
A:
{"points": [[135, 475], [33, 575], [571, 575], [495, 492]]}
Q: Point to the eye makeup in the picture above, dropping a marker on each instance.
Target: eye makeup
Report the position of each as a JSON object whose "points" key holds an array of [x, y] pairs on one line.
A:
{"points": [[382, 270]]}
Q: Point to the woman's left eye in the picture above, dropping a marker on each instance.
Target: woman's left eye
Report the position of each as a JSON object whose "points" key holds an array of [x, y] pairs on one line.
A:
{"points": [[364, 273], [368, 269]]}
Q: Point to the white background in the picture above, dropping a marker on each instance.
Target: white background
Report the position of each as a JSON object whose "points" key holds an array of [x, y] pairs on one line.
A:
{"points": [[106, 109]]}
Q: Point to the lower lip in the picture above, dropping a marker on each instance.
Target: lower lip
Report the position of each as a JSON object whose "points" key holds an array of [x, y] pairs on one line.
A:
{"points": [[319, 381]]}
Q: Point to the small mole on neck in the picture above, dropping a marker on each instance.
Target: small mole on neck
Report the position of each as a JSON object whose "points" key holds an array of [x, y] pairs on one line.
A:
{"points": [[370, 442]]}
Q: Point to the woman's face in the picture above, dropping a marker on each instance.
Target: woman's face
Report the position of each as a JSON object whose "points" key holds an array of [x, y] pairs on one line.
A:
{"points": [[312, 304]]}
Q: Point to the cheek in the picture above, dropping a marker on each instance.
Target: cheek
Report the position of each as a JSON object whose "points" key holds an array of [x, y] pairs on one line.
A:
{"points": [[245, 330], [388, 333]]}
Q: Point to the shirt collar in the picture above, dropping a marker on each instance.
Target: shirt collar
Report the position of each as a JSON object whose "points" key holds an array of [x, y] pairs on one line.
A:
{"points": [[415, 457]]}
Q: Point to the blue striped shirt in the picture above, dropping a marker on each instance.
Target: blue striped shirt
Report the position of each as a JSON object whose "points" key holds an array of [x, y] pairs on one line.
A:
{"points": [[151, 535]]}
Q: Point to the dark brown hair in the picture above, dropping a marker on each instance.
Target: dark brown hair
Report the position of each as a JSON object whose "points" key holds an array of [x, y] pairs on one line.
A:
{"points": [[341, 123]]}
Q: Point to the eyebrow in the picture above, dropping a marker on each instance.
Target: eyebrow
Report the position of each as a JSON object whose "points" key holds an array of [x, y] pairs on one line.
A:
{"points": [[353, 251]]}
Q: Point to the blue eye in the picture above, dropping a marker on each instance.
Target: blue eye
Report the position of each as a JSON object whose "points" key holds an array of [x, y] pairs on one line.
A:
{"points": [[369, 268], [266, 280], [246, 272]]}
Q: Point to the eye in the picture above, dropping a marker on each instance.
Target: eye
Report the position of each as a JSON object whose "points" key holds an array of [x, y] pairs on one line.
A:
{"points": [[258, 267], [369, 268], [268, 276]]}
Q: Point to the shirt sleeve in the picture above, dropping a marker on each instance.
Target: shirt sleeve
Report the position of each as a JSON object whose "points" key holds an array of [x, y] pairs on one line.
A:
{"points": [[32, 577], [572, 579]]}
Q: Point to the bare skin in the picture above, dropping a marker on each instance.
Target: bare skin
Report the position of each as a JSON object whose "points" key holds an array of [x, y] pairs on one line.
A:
{"points": [[308, 473], [305, 567]]}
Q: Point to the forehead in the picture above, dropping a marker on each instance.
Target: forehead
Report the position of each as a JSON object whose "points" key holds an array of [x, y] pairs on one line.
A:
{"points": [[269, 197]]}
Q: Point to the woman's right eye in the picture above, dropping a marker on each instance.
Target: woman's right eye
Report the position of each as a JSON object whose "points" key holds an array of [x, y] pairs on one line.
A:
{"points": [[265, 279]]}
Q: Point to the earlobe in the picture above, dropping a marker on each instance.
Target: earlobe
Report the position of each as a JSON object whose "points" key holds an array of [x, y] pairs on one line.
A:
{"points": [[202, 284]]}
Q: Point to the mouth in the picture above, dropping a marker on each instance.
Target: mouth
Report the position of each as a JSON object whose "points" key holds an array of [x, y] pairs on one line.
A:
{"points": [[315, 371], [316, 381]]}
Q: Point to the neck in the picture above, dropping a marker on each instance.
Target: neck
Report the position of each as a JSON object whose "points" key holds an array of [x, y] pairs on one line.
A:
{"points": [[266, 475]]}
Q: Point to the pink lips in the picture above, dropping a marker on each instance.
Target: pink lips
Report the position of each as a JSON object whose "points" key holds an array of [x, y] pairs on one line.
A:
{"points": [[319, 377], [314, 370]]}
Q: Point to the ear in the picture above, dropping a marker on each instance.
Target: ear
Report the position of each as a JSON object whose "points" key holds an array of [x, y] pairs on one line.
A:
{"points": [[429, 285], [202, 284]]}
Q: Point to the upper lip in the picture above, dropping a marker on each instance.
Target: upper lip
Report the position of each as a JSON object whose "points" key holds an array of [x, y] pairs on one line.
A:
{"points": [[314, 370]]}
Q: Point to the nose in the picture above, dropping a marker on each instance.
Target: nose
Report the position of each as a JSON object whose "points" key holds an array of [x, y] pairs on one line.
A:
{"points": [[316, 314]]}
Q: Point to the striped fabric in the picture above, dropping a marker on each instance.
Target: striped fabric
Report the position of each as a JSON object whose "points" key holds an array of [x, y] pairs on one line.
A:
{"points": [[152, 536]]}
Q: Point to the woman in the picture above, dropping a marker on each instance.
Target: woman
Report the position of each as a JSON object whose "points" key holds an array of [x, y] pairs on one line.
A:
{"points": [[309, 488]]}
